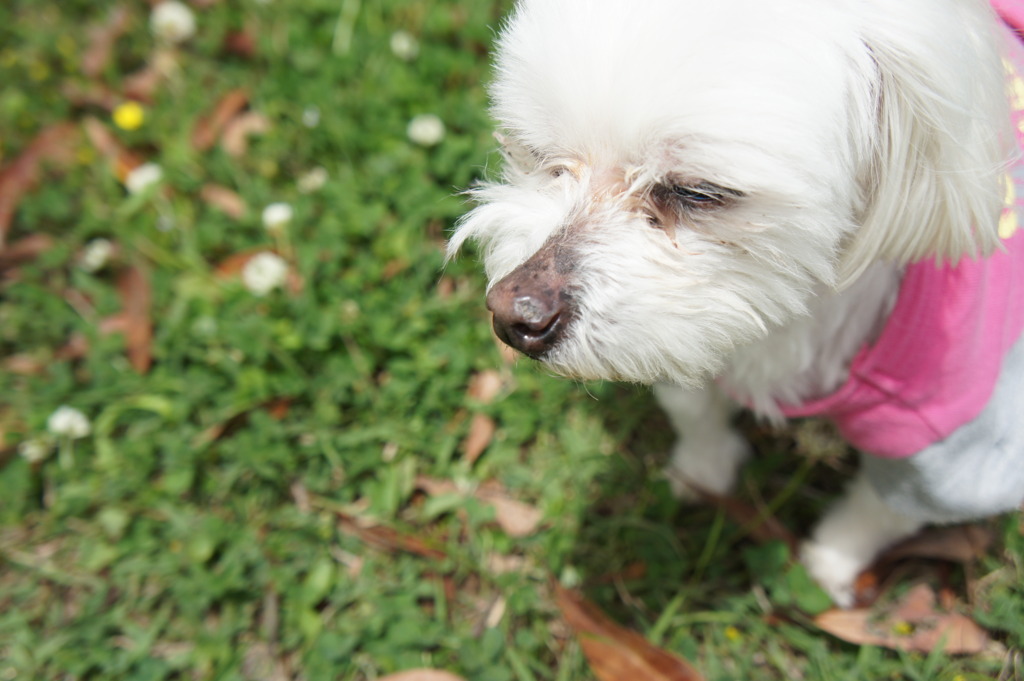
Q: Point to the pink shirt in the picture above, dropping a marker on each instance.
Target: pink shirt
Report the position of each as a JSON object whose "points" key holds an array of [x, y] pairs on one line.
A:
{"points": [[935, 365]]}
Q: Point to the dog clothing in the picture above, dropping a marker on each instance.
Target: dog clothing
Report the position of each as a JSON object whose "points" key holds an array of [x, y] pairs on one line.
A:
{"points": [[935, 366]]}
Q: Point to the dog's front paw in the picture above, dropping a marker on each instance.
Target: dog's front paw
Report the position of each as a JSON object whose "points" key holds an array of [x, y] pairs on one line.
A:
{"points": [[836, 572], [701, 467]]}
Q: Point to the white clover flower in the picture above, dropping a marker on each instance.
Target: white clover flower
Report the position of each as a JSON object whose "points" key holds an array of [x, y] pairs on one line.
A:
{"points": [[35, 450], [95, 255], [311, 116], [172, 22], [313, 180], [426, 130], [139, 179], [404, 45], [264, 272], [68, 422], [276, 216]]}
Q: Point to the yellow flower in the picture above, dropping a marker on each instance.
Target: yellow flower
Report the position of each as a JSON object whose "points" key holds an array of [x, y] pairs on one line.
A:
{"points": [[733, 634], [129, 116], [903, 629]]}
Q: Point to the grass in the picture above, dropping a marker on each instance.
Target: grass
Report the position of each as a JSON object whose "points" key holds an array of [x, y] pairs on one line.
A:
{"points": [[249, 503]]}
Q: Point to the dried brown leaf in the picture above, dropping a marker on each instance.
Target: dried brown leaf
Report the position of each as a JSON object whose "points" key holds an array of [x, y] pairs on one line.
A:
{"points": [[136, 296], [277, 407], [240, 43], [24, 364], [614, 652], [421, 675], [481, 432], [387, 539], [260, 662], [961, 544], [102, 39], [209, 127], [142, 85], [54, 144], [225, 200], [232, 266], [913, 624], [77, 347], [484, 386], [91, 94], [435, 487], [24, 250], [122, 161], [445, 288], [235, 139], [516, 518]]}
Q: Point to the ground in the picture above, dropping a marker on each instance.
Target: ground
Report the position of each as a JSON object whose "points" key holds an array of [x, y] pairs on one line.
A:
{"points": [[293, 449]]}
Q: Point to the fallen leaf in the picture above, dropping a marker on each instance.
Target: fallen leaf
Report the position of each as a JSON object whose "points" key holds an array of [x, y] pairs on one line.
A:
{"points": [[484, 386], [614, 652], [516, 518], [961, 544], [143, 84], [77, 347], [91, 94], [225, 200], [387, 538], [24, 364], [24, 250], [277, 408], [240, 43], [481, 432], [102, 39], [260, 662], [209, 127], [501, 564], [421, 675], [635, 570], [54, 144], [235, 138], [445, 288], [136, 297], [122, 161], [912, 624], [233, 265]]}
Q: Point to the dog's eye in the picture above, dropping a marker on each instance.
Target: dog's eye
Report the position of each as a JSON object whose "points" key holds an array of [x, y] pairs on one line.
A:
{"points": [[702, 195]]}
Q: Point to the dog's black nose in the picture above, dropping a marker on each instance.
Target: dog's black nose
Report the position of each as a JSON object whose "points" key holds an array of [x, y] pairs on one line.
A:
{"points": [[531, 307], [529, 323]]}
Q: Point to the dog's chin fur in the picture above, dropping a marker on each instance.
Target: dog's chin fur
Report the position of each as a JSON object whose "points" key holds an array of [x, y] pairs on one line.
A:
{"points": [[849, 133]]}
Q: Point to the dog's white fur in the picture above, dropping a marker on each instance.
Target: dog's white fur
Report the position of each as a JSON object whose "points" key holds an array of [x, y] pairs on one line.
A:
{"points": [[854, 136]]}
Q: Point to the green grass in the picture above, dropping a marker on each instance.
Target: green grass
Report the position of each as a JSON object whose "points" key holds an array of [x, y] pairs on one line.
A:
{"points": [[200, 533]]}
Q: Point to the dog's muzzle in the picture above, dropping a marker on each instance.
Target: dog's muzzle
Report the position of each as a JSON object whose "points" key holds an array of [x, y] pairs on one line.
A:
{"points": [[532, 308]]}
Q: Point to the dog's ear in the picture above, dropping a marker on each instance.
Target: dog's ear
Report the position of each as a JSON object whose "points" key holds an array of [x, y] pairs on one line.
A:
{"points": [[932, 177]]}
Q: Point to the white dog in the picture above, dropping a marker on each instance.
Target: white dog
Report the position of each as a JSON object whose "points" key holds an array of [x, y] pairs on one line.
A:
{"points": [[798, 206]]}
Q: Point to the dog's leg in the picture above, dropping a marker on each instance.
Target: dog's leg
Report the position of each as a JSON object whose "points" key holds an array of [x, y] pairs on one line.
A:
{"points": [[849, 537], [708, 453]]}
